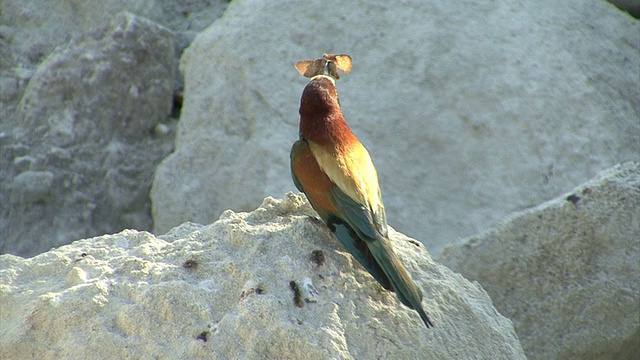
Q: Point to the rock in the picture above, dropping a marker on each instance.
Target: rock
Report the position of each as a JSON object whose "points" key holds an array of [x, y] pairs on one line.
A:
{"points": [[566, 272], [31, 187], [90, 110], [98, 73], [38, 26], [225, 291], [461, 106], [33, 30]]}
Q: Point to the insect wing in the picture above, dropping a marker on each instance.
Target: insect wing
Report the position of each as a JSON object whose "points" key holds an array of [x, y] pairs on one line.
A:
{"points": [[343, 62], [310, 68]]}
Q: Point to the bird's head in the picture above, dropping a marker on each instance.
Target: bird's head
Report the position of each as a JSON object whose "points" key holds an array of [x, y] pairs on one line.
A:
{"points": [[320, 97]]}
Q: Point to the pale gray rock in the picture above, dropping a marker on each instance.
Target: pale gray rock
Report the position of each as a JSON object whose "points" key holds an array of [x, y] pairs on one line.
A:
{"points": [[35, 27], [223, 291], [470, 111], [31, 34], [31, 30], [85, 154], [566, 272]]}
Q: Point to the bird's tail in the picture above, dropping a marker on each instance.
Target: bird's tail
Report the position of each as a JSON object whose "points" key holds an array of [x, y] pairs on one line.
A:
{"points": [[407, 291]]}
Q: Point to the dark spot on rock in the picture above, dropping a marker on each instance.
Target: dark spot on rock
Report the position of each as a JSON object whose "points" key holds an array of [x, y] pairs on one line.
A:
{"points": [[190, 264], [319, 222], [176, 104], [297, 295], [317, 257], [573, 198], [416, 243], [203, 336], [82, 256], [258, 290]]}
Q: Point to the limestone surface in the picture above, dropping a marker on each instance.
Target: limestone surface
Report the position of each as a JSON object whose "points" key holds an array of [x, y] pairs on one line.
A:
{"points": [[460, 105], [273, 283], [566, 272]]}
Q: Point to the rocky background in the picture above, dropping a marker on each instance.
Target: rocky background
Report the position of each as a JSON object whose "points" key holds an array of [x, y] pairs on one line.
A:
{"points": [[88, 113], [147, 114], [470, 113], [566, 271]]}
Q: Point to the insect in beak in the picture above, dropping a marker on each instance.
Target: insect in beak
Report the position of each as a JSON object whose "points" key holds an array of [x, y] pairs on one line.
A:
{"points": [[328, 65]]}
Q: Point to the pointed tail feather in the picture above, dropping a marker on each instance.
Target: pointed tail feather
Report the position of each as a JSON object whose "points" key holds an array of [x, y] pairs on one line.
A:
{"points": [[359, 250], [377, 256], [407, 291]]}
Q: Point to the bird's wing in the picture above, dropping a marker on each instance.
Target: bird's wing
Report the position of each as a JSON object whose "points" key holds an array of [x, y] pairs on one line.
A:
{"points": [[319, 189], [380, 249], [355, 214], [356, 177]]}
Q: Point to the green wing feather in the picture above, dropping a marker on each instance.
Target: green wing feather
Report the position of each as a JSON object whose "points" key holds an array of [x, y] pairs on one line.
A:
{"points": [[362, 221], [359, 250], [359, 216]]}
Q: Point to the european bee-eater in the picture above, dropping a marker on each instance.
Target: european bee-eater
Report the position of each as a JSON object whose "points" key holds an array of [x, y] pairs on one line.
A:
{"points": [[335, 171]]}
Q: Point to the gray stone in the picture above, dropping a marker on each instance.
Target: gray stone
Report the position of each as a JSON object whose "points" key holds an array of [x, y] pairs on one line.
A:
{"points": [[223, 292], [87, 118], [566, 272], [31, 186], [31, 30], [461, 106], [32, 35], [23, 163]]}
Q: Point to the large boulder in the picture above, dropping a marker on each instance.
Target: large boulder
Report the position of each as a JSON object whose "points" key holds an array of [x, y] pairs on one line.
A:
{"points": [[461, 105], [81, 160], [56, 44], [273, 283], [566, 272]]}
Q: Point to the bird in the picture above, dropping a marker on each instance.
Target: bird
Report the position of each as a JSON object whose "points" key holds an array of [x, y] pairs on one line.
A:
{"points": [[335, 172]]}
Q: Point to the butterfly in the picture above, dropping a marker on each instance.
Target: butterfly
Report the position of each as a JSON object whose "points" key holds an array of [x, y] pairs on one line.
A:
{"points": [[328, 65]]}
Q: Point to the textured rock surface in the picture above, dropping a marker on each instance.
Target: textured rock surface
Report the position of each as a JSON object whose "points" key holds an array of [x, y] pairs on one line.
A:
{"points": [[223, 291], [85, 151], [94, 91], [566, 272], [460, 106]]}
